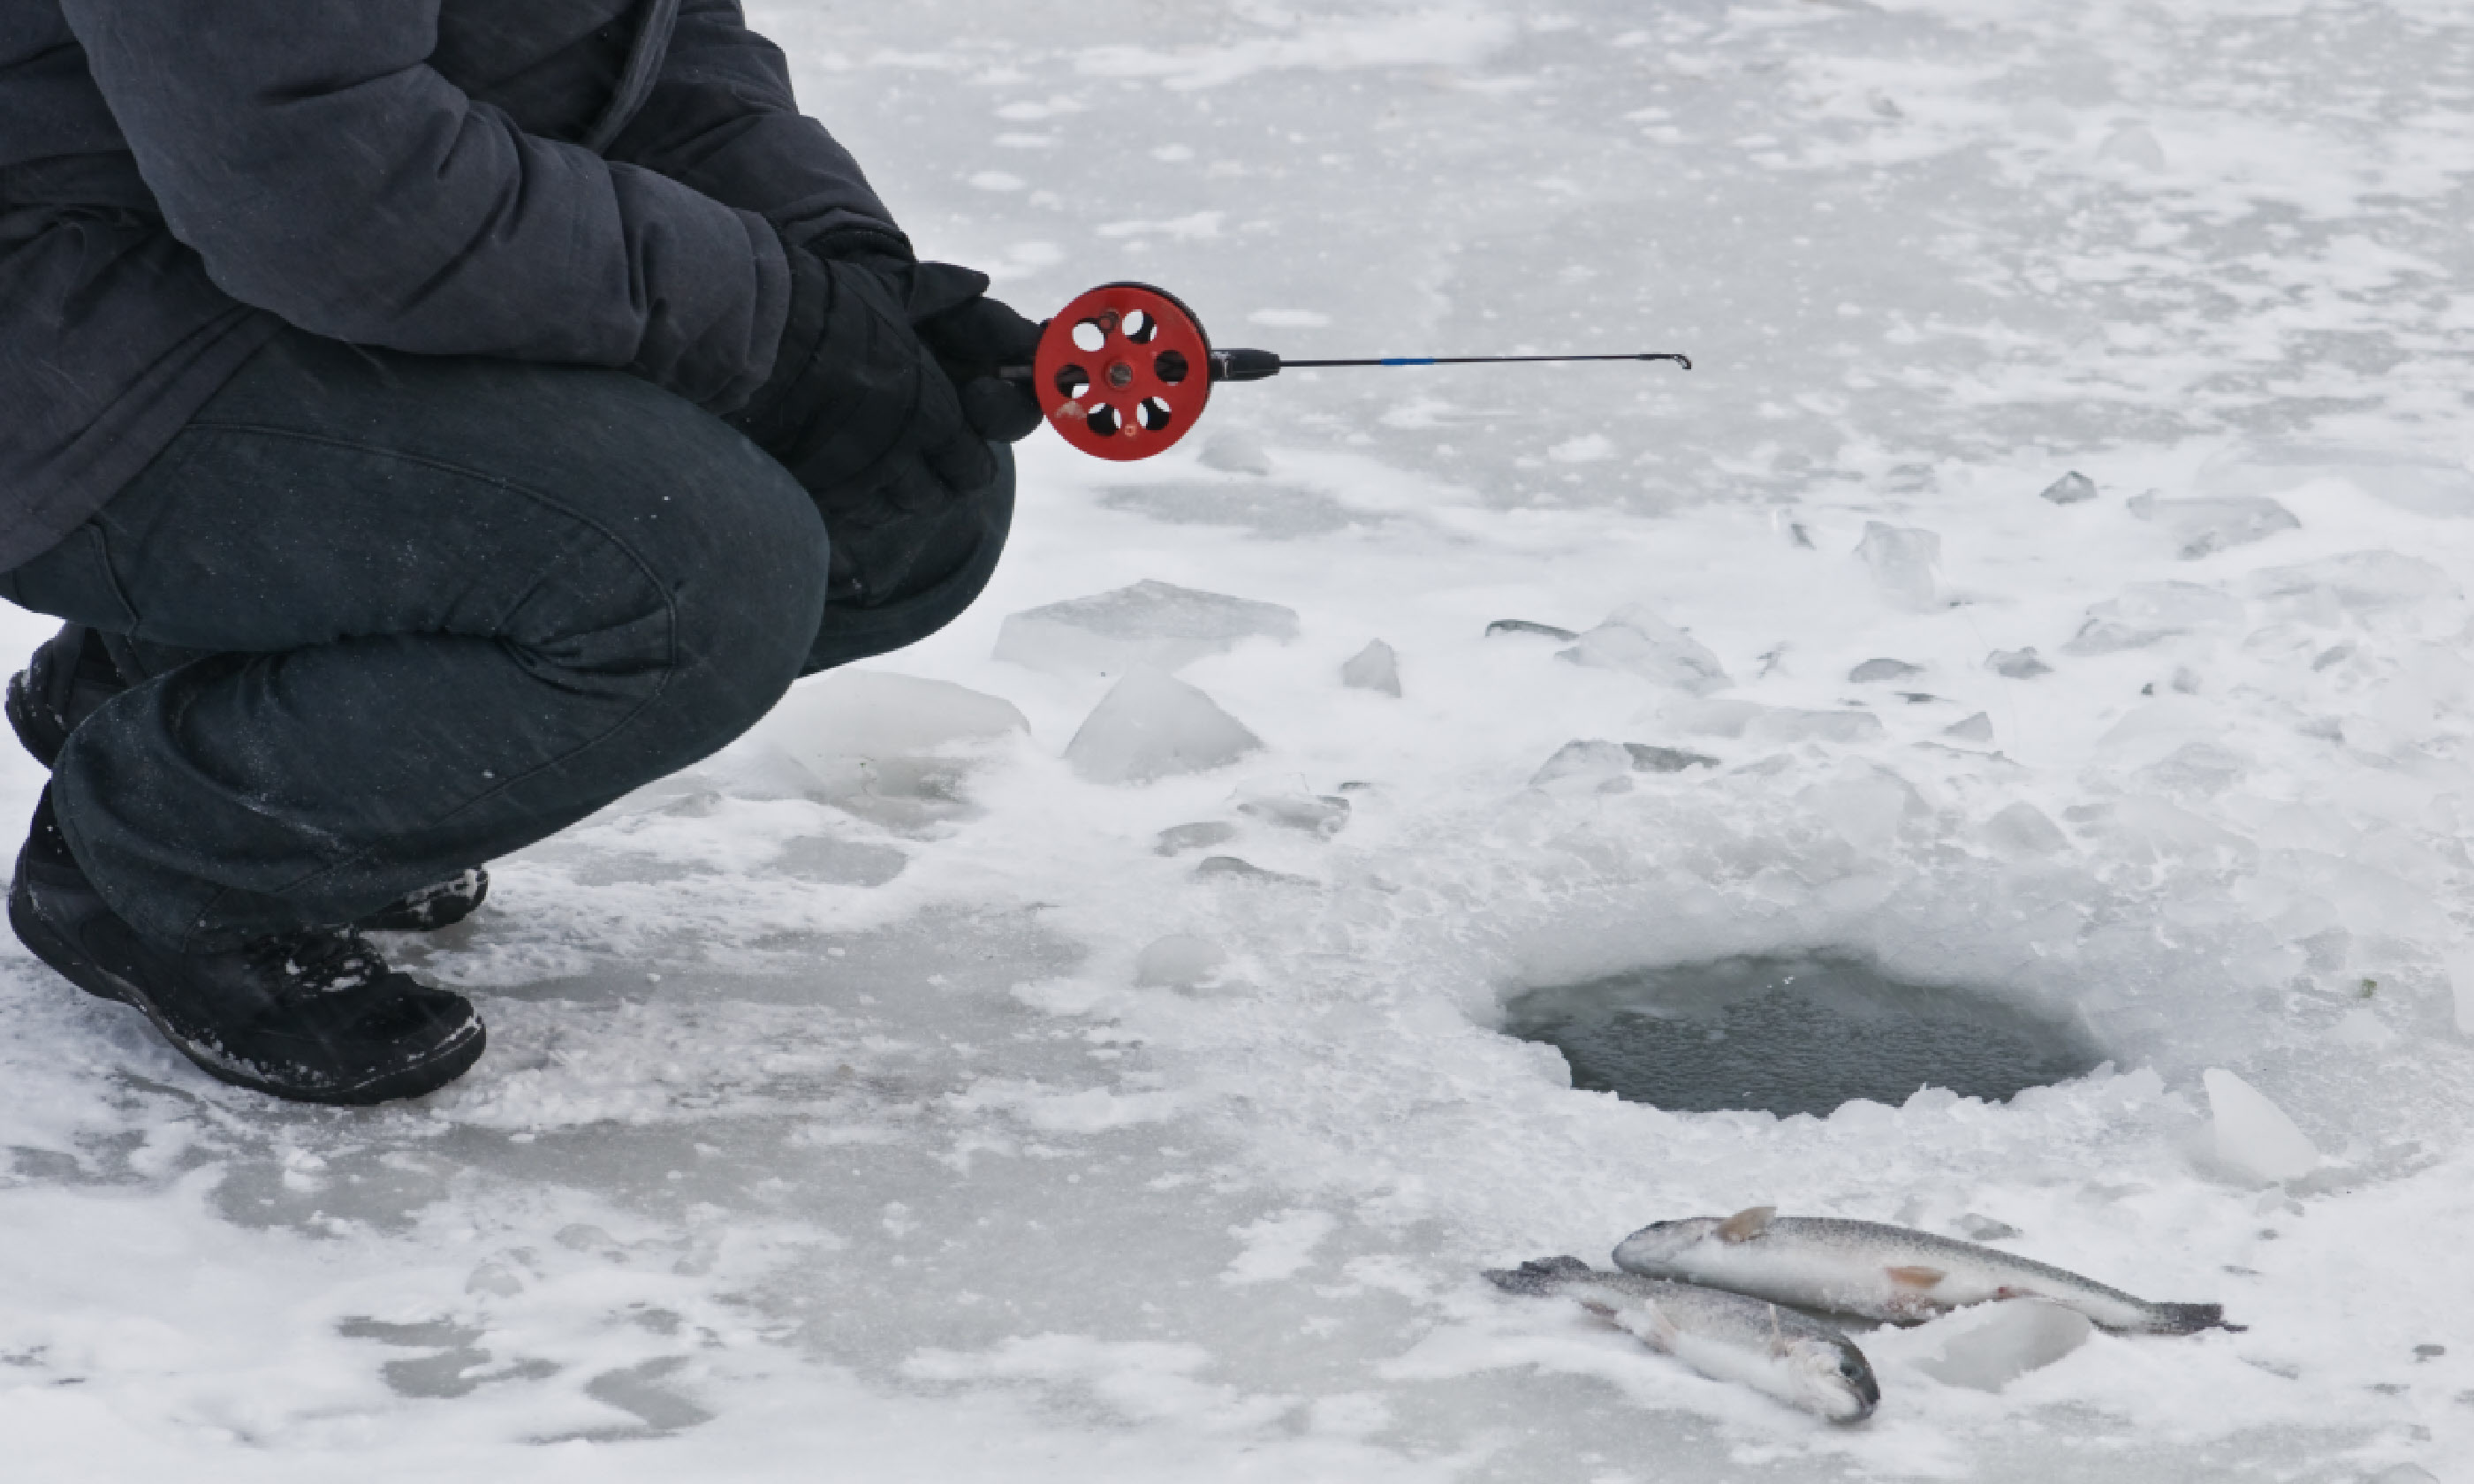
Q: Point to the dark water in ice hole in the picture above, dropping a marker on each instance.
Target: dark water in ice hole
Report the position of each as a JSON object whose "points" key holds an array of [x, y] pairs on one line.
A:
{"points": [[1790, 1035]]}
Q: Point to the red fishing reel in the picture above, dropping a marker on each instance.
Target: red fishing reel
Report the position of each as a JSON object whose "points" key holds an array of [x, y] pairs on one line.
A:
{"points": [[1123, 371]]}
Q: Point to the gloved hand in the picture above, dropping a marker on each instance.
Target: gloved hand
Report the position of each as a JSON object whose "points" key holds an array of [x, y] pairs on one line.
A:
{"points": [[860, 413], [971, 334]]}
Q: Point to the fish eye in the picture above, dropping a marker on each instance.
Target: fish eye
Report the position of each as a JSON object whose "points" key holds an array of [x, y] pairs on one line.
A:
{"points": [[1846, 1367]]}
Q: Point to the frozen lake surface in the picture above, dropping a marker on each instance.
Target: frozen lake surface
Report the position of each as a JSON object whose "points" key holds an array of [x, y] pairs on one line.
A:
{"points": [[936, 1086]]}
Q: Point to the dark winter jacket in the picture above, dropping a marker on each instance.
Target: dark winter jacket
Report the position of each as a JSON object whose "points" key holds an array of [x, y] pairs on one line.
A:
{"points": [[600, 183]]}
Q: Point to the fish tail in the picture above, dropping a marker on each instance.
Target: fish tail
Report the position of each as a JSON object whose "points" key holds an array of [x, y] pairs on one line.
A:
{"points": [[2187, 1318], [1541, 1275]]}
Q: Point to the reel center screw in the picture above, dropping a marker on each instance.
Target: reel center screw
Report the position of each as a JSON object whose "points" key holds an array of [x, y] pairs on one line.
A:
{"points": [[1121, 374]]}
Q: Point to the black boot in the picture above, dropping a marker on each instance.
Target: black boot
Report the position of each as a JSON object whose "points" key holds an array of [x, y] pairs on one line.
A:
{"points": [[74, 672], [316, 1017]]}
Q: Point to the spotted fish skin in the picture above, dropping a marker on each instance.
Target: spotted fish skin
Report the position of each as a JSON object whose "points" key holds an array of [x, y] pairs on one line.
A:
{"points": [[1880, 1271], [1790, 1356]]}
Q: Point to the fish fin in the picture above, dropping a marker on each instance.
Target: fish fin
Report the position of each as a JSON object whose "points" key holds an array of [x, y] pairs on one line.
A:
{"points": [[1746, 1224], [1916, 1276], [1541, 1274], [2190, 1319]]}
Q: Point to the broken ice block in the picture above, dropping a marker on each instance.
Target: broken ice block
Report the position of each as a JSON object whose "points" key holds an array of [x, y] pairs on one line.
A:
{"points": [[2215, 522], [1293, 809], [2131, 144], [2428, 484], [1988, 1347], [1984, 1229], [2252, 1136], [1599, 762], [2021, 831], [2353, 582], [1777, 724], [2017, 664], [1179, 961], [2072, 489], [1178, 839], [1637, 641], [1375, 667], [1977, 727], [871, 714], [1874, 671], [1901, 559], [1150, 623], [883, 744], [1151, 725], [1236, 451], [2146, 612]]}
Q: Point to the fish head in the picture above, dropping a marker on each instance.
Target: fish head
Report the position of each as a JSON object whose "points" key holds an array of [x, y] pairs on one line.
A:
{"points": [[1655, 1248], [1833, 1378]]}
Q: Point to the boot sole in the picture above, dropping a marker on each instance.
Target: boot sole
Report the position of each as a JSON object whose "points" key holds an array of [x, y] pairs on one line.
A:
{"points": [[449, 1063]]}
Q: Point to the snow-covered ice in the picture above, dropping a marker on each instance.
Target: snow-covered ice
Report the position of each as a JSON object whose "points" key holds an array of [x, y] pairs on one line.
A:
{"points": [[874, 1134], [1152, 624]]}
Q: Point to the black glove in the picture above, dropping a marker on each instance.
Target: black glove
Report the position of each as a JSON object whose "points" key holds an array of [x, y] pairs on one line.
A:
{"points": [[971, 334], [861, 415]]}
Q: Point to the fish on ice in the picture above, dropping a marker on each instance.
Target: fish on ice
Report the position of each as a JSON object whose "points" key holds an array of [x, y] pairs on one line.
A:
{"points": [[1875, 1271], [1796, 1358]]}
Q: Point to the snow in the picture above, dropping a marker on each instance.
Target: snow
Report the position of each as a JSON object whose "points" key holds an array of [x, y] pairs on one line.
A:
{"points": [[847, 1115]]}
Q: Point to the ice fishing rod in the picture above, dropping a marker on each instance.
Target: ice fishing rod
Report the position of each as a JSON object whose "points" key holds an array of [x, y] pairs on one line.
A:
{"points": [[1115, 370]]}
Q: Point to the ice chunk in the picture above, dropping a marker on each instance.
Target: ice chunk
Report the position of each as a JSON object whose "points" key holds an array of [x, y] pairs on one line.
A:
{"points": [[1986, 1348], [1984, 1229], [1776, 724], [2131, 144], [1637, 640], [1646, 758], [2146, 612], [2353, 582], [1151, 725], [2427, 485], [2071, 489], [1977, 727], [1874, 671], [1179, 961], [1236, 868], [1514, 627], [872, 713], [1293, 809], [2252, 1136], [1375, 667], [2215, 522], [2405, 1474], [883, 743], [2461, 986], [1901, 559], [1598, 763], [2021, 831], [2017, 664], [1178, 839], [1236, 451], [1150, 623]]}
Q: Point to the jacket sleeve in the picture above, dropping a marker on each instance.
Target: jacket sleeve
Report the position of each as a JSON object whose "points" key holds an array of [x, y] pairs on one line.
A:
{"points": [[723, 120], [326, 173]]}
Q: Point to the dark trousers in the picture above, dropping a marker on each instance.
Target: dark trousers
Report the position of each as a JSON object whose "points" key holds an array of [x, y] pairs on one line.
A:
{"points": [[405, 615]]}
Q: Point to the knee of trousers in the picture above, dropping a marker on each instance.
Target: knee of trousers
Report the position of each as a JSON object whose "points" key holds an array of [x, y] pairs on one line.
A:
{"points": [[688, 608], [852, 633]]}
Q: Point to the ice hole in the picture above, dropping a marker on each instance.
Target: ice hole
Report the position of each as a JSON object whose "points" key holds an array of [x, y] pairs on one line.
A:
{"points": [[1791, 1035]]}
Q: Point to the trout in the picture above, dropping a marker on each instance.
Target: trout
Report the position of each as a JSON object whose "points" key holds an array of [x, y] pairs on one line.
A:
{"points": [[1880, 1272], [1794, 1357]]}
